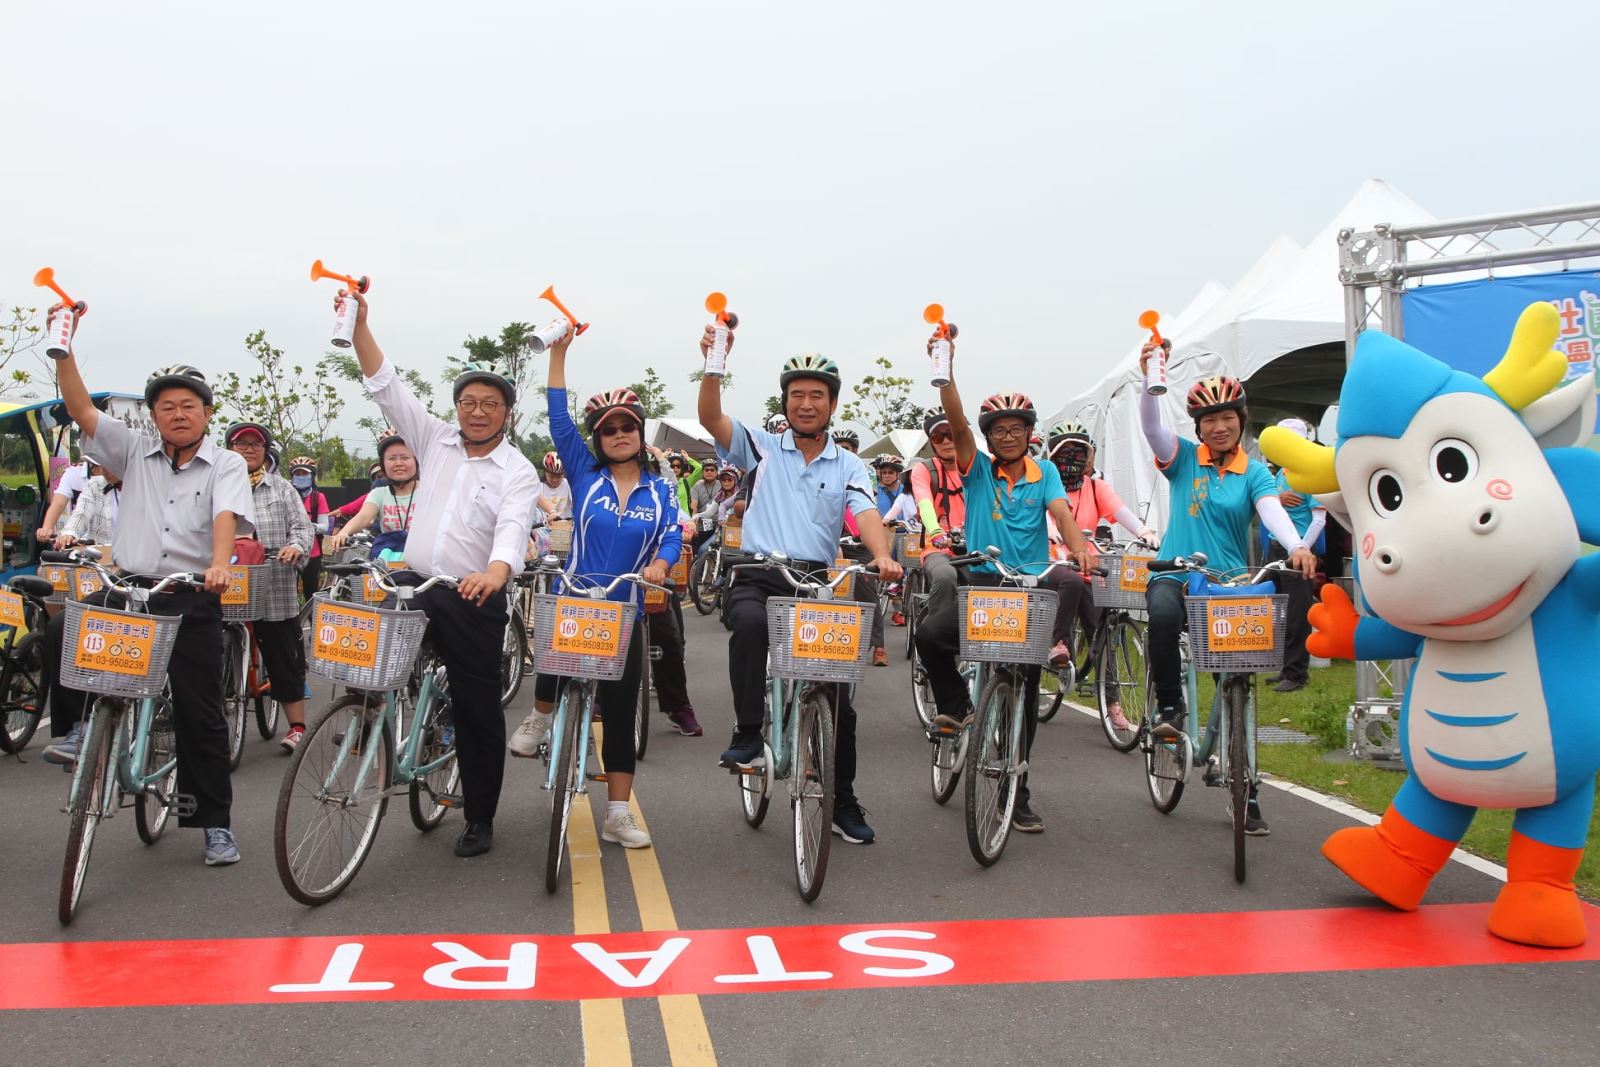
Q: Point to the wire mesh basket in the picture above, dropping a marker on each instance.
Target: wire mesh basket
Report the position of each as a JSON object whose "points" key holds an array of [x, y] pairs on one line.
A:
{"points": [[365, 647], [1124, 582], [560, 538], [118, 653], [1237, 633], [59, 575], [1006, 624], [564, 626], [908, 549], [355, 552], [818, 640], [249, 586]]}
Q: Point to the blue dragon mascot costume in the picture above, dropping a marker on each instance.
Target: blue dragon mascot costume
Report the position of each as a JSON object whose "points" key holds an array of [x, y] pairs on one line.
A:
{"points": [[1467, 505]]}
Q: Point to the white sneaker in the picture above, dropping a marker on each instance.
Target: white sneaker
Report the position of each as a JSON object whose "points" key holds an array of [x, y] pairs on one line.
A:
{"points": [[530, 735], [622, 830]]}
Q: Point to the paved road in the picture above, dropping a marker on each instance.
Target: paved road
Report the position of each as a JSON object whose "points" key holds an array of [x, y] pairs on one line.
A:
{"points": [[1116, 936]]}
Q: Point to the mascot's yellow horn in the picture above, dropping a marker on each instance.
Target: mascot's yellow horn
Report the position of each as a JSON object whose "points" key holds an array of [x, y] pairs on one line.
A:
{"points": [[1531, 367], [1309, 465]]}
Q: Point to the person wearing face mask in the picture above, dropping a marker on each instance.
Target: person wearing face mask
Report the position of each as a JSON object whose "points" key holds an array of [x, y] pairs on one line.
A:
{"points": [[303, 476], [1092, 502]]}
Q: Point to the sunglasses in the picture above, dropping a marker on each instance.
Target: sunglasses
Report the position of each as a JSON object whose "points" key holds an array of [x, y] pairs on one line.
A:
{"points": [[612, 429], [940, 438]]}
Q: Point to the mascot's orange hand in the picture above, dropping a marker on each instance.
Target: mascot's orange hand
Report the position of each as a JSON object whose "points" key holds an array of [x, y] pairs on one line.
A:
{"points": [[1334, 625]]}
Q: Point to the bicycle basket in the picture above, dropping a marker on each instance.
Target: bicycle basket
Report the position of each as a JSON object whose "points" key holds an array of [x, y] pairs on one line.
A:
{"points": [[1005, 624], [249, 586], [576, 637], [560, 538], [1237, 633], [364, 647], [118, 653], [818, 640], [355, 553], [908, 549], [1124, 582], [58, 575]]}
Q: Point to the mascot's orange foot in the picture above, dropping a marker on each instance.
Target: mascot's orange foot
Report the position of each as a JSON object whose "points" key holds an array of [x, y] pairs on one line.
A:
{"points": [[1538, 905], [1394, 860]]}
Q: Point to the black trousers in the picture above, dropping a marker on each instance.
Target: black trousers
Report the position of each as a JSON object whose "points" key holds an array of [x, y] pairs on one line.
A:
{"points": [[615, 702], [468, 639], [311, 577], [1164, 601], [1075, 601], [283, 654], [747, 670], [196, 677], [671, 678], [939, 650], [1293, 584]]}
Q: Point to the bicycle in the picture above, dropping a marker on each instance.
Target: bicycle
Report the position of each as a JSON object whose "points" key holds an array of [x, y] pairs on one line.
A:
{"points": [[582, 638], [915, 604], [120, 658], [1119, 642], [1236, 631], [337, 786], [908, 550], [705, 575], [244, 683], [22, 684], [1003, 628]]}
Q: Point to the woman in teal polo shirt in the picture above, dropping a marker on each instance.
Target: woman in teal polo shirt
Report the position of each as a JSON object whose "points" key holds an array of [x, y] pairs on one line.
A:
{"points": [[1214, 491]]}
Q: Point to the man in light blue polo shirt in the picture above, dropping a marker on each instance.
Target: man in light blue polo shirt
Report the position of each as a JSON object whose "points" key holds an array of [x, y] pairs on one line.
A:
{"points": [[1007, 497], [800, 484]]}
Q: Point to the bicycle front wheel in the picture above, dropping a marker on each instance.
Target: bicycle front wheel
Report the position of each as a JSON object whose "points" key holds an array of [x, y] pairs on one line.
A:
{"points": [[702, 583], [912, 598], [327, 818], [513, 656], [567, 737], [922, 700], [641, 708], [22, 702], [811, 784], [949, 754], [94, 785], [154, 808], [266, 709], [233, 694], [434, 793], [1119, 683], [992, 761], [1238, 692]]}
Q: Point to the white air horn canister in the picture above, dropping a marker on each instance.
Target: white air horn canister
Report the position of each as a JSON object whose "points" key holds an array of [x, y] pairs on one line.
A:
{"points": [[548, 334], [59, 332]]}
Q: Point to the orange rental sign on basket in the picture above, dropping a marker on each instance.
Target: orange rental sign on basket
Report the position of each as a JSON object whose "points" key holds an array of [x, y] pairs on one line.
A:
{"points": [[842, 591], [732, 536], [87, 582], [1001, 617], [1134, 575], [238, 592], [832, 632], [1239, 624], [58, 575], [346, 635], [114, 643], [587, 627], [11, 609]]}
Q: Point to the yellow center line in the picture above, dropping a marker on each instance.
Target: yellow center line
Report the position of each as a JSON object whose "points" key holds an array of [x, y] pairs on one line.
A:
{"points": [[605, 1025], [688, 1038]]}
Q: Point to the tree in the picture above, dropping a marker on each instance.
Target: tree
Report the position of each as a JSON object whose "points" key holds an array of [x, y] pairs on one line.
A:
{"points": [[511, 356], [20, 335], [698, 373], [653, 395], [297, 408], [346, 366], [775, 406], [883, 402]]}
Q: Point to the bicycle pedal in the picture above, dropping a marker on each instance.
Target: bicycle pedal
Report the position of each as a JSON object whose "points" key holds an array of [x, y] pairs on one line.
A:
{"points": [[447, 800], [183, 805], [595, 777]]}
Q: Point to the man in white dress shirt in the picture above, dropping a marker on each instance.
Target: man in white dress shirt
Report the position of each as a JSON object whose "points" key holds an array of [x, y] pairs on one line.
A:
{"points": [[474, 502]]}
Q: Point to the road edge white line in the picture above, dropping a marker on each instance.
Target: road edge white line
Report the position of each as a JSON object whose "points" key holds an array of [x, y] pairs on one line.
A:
{"points": [[1343, 807]]}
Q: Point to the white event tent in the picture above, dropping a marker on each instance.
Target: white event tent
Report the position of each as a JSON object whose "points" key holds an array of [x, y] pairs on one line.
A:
{"points": [[1280, 329]]}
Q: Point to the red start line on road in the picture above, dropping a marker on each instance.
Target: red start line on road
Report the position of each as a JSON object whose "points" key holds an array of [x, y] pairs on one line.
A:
{"points": [[114, 974]]}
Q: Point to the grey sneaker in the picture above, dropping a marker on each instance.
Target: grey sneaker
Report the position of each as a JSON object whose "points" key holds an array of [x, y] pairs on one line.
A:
{"points": [[65, 751], [622, 830], [221, 848], [532, 734]]}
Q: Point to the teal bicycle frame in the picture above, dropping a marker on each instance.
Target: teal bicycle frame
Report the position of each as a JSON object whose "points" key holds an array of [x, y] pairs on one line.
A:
{"points": [[1210, 749]]}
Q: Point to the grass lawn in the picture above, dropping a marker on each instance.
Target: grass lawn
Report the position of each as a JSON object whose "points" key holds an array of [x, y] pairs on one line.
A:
{"points": [[1319, 710]]}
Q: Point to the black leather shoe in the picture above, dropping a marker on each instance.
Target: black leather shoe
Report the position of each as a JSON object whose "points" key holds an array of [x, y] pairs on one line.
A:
{"points": [[476, 839]]}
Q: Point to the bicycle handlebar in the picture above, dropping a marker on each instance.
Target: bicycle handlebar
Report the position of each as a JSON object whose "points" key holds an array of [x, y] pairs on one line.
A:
{"points": [[1196, 563], [90, 557], [780, 563]]}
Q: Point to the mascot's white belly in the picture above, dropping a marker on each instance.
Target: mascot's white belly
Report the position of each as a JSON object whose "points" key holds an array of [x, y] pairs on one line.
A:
{"points": [[1477, 740]]}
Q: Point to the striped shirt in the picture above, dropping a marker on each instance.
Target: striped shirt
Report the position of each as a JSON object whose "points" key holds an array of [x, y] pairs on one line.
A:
{"points": [[281, 520]]}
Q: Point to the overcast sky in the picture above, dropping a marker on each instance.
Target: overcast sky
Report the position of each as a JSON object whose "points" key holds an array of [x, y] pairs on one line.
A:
{"points": [[1045, 170]]}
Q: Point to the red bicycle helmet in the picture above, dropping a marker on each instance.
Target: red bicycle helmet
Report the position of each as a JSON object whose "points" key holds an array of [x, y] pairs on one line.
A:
{"points": [[602, 404], [1006, 405], [552, 463], [1214, 394]]}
